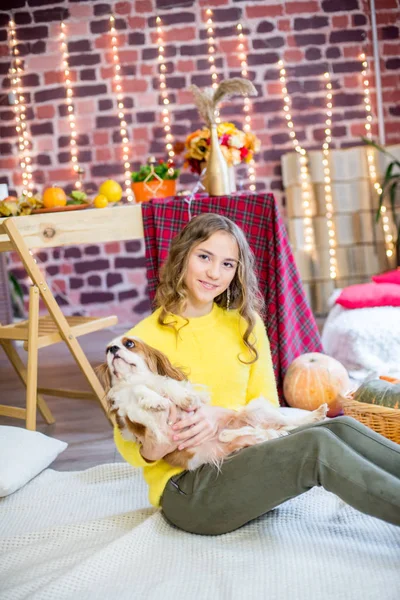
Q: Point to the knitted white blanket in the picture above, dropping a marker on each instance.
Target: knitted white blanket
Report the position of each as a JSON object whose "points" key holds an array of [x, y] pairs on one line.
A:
{"points": [[91, 535], [365, 340]]}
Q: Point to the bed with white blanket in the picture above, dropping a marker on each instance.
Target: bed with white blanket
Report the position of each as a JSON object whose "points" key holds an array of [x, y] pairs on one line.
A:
{"points": [[365, 340], [91, 535]]}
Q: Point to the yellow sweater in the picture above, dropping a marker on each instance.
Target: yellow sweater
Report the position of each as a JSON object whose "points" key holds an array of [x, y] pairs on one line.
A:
{"points": [[207, 348]]}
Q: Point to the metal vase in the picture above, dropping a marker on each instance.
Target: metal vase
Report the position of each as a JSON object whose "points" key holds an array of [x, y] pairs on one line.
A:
{"points": [[216, 180]]}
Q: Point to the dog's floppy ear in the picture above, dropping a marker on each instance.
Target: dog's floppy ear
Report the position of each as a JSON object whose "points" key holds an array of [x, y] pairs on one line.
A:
{"points": [[164, 367], [103, 373]]}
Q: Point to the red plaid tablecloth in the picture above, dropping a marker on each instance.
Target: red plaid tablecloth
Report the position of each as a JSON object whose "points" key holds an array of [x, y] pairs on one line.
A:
{"points": [[289, 321]]}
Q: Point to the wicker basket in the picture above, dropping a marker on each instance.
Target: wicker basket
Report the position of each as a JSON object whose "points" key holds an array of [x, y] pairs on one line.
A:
{"points": [[385, 421]]}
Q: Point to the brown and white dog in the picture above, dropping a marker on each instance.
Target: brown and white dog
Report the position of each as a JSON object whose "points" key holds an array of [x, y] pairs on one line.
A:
{"points": [[141, 384]]}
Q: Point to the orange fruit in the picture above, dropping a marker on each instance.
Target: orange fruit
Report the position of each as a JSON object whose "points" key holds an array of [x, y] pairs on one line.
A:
{"points": [[100, 201], [111, 190], [54, 196]]}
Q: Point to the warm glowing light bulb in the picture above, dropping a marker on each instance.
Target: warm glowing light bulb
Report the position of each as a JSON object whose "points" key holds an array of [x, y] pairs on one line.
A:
{"points": [[327, 179], [309, 245], [120, 106], [164, 94], [386, 226], [15, 74], [211, 51]]}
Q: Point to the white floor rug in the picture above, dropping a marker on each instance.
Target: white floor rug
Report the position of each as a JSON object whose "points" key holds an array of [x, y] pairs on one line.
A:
{"points": [[91, 535]]}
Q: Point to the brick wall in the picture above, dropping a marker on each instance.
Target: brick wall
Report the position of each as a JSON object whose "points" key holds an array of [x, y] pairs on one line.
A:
{"points": [[94, 279], [310, 36]]}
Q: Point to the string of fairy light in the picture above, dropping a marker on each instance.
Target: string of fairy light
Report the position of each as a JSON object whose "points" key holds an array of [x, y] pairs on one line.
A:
{"points": [[211, 47], [16, 72], [70, 103], [166, 117], [309, 239], [211, 53], [25, 160], [371, 157], [327, 180], [246, 103], [117, 85]]}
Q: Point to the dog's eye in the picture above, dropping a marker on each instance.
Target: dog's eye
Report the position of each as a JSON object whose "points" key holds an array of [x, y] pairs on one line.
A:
{"points": [[129, 344]]}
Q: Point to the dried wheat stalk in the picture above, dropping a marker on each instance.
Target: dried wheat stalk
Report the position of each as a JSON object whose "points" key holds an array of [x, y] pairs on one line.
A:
{"points": [[207, 100]]}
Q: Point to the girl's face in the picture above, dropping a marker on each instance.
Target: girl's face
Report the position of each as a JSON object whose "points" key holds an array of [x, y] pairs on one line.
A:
{"points": [[211, 267]]}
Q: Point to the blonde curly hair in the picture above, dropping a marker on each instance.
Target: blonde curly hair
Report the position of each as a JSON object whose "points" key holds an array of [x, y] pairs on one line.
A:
{"points": [[245, 296]]}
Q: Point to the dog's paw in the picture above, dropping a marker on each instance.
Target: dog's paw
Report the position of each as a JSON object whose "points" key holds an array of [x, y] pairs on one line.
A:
{"points": [[112, 406], [197, 397], [273, 434], [159, 403], [227, 435], [161, 406], [320, 413], [192, 401], [111, 397]]}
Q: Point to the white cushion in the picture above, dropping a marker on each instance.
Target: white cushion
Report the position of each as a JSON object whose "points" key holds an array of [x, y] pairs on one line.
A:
{"points": [[23, 455]]}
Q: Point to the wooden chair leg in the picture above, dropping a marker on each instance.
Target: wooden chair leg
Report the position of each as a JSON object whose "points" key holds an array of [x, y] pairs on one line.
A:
{"points": [[31, 379], [45, 410], [88, 372], [20, 369]]}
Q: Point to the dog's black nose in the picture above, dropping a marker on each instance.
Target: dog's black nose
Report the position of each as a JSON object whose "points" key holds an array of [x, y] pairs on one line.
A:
{"points": [[113, 349]]}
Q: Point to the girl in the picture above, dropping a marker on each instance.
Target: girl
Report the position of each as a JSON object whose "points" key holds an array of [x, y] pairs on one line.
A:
{"points": [[208, 323]]}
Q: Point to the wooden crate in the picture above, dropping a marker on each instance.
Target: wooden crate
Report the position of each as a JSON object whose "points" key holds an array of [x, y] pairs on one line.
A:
{"points": [[360, 249]]}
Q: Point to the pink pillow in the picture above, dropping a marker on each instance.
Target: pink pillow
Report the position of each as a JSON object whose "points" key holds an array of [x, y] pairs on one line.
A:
{"points": [[368, 295], [389, 277]]}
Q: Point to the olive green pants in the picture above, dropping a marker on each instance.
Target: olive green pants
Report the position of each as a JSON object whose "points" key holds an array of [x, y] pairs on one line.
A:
{"points": [[342, 455]]}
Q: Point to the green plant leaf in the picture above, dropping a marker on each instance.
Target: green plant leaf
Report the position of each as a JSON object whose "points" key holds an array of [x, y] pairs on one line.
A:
{"points": [[74, 201], [378, 212], [161, 169], [398, 246], [392, 196], [387, 176], [389, 185], [16, 286], [390, 180], [372, 143], [383, 150], [389, 170]]}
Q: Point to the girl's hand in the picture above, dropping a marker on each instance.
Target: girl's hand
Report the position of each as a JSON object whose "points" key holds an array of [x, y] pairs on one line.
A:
{"points": [[151, 451], [200, 427]]}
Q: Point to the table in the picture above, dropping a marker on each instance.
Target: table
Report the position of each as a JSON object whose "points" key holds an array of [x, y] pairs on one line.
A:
{"points": [[91, 226]]}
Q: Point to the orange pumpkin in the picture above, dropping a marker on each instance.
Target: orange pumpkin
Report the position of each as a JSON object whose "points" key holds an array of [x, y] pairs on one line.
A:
{"points": [[314, 379], [54, 196]]}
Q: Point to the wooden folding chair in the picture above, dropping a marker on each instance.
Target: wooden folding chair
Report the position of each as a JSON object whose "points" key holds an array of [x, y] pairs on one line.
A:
{"points": [[37, 332]]}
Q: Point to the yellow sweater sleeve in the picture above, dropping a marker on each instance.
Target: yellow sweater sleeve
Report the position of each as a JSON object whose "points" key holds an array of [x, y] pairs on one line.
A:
{"points": [[130, 451], [262, 378]]}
